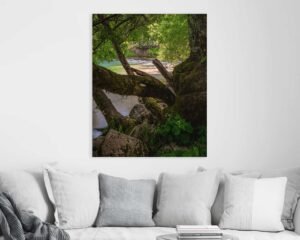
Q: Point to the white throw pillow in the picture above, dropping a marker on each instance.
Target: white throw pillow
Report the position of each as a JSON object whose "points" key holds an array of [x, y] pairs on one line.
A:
{"points": [[28, 192], [217, 208], [253, 204], [75, 196]]}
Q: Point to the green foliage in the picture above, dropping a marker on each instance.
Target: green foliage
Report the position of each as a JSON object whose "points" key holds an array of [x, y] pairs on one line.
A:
{"points": [[193, 151], [116, 126], [153, 52], [124, 28], [202, 137], [196, 148], [175, 129], [172, 34], [168, 32]]}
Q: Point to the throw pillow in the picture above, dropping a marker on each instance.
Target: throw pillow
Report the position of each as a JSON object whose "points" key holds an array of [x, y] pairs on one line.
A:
{"points": [[292, 193], [74, 195], [125, 203], [28, 192], [186, 199], [291, 196], [217, 208], [253, 204]]}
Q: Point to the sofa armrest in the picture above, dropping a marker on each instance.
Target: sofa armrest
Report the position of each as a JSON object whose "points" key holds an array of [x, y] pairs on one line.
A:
{"points": [[297, 218]]}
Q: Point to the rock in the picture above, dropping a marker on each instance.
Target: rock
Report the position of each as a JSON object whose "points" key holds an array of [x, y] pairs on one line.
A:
{"points": [[143, 131], [117, 144], [139, 112]]}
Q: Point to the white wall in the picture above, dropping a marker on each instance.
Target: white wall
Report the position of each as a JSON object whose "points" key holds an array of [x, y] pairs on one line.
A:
{"points": [[253, 84]]}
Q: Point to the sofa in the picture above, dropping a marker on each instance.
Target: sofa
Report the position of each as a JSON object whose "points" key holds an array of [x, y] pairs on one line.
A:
{"points": [[31, 183]]}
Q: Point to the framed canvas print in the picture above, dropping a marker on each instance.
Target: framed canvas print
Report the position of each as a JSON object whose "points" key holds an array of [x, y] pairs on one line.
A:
{"points": [[149, 85]]}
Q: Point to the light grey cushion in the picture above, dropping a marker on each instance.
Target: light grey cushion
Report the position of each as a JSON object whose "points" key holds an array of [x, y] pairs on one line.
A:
{"points": [[291, 195], [127, 203], [253, 204], [186, 199], [218, 206], [29, 193]]}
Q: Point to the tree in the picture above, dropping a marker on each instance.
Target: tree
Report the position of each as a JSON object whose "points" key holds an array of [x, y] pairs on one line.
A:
{"points": [[190, 76], [178, 36]]}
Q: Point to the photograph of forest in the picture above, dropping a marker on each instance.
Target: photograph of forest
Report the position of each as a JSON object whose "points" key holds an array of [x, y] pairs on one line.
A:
{"points": [[149, 85]]}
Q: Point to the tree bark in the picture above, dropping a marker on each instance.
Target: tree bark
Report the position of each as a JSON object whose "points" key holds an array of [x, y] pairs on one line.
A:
{"points": [[112, 116], [197, 35], [142, 86], [166, 74], [141, 73], [189, 77]]}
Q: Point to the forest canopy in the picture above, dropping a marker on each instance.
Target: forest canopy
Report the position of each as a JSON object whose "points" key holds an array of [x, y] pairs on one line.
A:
{"points": [[169, 33], [156, 63]]}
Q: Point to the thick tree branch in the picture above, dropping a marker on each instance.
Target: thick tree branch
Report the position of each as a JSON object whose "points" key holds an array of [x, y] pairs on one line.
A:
{"points": [[112, 116], [166, 74], [142, 86], [142, 73]]}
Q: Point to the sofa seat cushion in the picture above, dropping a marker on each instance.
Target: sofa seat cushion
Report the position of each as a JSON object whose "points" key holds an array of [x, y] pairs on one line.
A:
{"points": [[256, 235], [150, 233], [119, 233]]}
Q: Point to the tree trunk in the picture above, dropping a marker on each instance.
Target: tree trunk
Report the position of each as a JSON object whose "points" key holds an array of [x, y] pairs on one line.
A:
{"points": [[197, 35], [190, 76], [142, 86]]}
